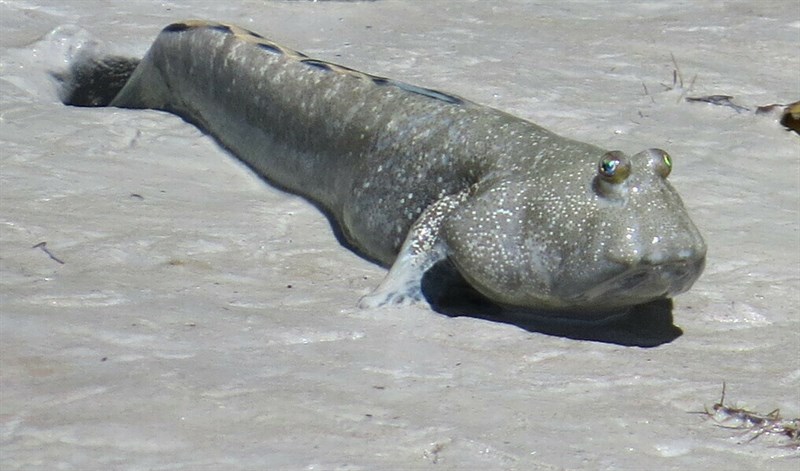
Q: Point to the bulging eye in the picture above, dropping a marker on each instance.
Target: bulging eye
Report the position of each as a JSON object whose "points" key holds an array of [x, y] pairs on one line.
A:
{"points": [[660, 161], [614, 167]]}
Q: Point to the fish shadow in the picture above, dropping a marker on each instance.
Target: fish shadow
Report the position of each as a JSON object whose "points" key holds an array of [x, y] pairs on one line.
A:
{"points": [[646, 325]]}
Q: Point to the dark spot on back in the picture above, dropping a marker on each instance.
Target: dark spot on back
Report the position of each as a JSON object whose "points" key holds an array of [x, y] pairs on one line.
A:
{"points": [[427, 92], [430, 93], [222, 28], [176, 28], [271, 48], [317, 64], [251, 33]]}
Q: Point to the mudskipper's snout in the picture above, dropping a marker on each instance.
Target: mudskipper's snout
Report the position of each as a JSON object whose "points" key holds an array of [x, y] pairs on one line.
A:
{"points": [[652, 281], [653, 276], [674, 271]]}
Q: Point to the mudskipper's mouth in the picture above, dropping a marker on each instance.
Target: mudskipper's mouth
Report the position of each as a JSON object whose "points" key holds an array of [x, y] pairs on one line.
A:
{"points": [[643, 283]]}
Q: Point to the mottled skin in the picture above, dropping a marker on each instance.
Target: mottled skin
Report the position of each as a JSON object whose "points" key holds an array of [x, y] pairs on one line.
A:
{"points": [[526, 216]]}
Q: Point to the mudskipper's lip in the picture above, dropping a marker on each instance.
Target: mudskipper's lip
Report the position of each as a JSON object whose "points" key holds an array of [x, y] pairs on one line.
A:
{"points": [[643, 282]]}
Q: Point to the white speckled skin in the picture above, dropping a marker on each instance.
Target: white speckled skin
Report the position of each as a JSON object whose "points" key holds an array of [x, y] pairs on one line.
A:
{"points": [[522, 213]]}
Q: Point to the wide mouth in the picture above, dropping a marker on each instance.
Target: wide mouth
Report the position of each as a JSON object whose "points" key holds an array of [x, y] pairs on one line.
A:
{"points": [[641, 283]]}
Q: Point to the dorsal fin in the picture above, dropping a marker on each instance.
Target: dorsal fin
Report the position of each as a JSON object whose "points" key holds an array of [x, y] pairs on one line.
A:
{"points": [[321, 65]]}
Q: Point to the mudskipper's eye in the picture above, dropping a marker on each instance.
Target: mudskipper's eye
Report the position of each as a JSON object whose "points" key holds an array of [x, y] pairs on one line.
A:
{"points": [[660, 161], [614, 167], [666, 165]]}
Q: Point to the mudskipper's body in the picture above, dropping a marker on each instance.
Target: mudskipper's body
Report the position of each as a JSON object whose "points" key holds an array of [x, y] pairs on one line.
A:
{"points": [[413, 176]]}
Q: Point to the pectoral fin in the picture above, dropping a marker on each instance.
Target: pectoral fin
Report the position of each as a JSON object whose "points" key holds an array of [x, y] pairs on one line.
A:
{"points": [[422, 249]]}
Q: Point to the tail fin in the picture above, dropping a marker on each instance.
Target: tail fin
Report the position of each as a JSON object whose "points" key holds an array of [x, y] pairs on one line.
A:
{"points": [[93, 81]]}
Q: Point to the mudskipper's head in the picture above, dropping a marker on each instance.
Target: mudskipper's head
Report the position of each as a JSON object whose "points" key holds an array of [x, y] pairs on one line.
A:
{"points": [[586, 239]]}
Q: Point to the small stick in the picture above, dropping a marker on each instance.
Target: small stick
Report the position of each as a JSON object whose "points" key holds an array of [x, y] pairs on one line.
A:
{"points": [[677, 76], [647, 92], [43, 246]]}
